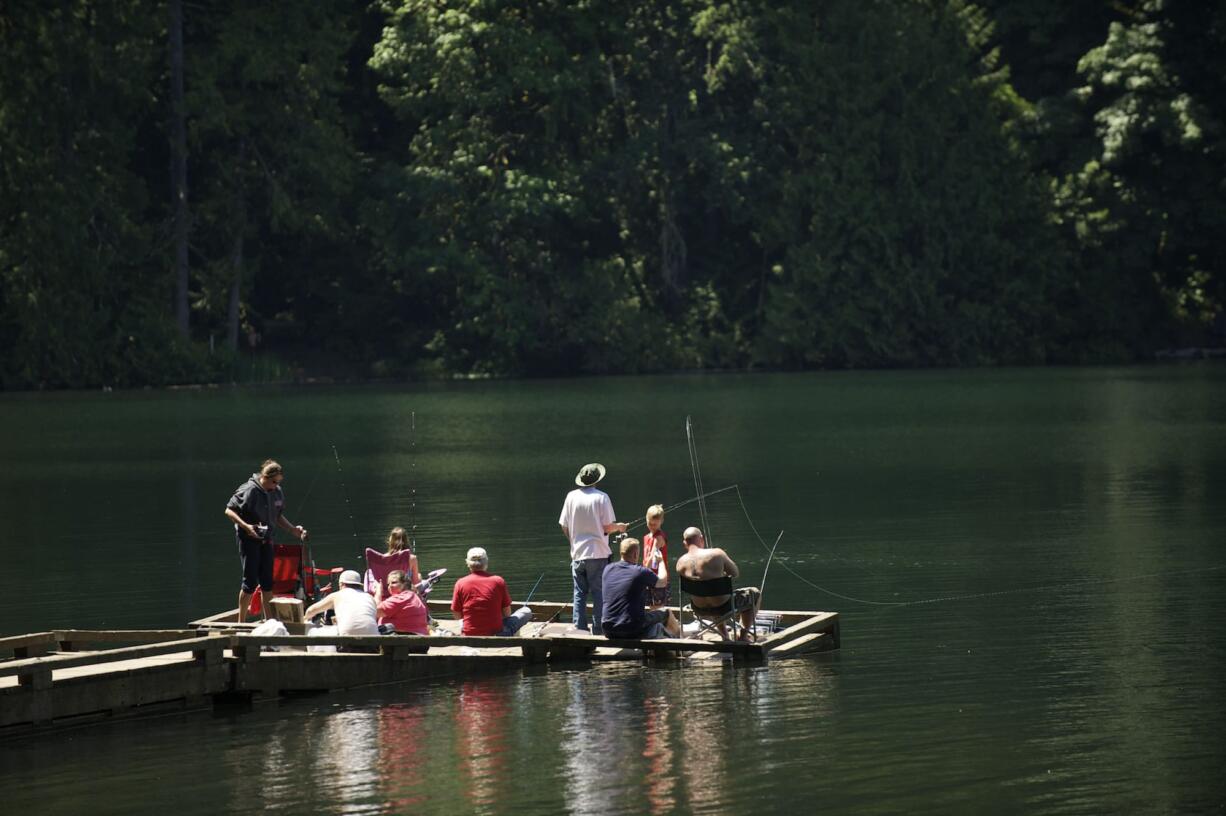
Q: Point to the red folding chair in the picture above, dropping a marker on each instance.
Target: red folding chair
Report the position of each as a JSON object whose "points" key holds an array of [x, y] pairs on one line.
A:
{"points": [[294, 575]]}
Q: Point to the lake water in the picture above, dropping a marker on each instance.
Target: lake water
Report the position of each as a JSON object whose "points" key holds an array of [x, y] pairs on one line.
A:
{"points": [[1029, 566]]}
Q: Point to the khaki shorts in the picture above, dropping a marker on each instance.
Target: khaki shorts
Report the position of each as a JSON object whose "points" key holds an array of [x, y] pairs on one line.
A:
{"points": [[746, 598]]}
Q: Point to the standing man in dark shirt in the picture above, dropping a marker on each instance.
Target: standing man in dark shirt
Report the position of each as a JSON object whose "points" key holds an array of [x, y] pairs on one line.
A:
{"points": [[625, 582], [256, 508]]}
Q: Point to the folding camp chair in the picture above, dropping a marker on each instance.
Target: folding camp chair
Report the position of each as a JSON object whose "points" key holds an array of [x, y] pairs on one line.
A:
{"points": [[712, 618], [380, 565], [294, 575]]}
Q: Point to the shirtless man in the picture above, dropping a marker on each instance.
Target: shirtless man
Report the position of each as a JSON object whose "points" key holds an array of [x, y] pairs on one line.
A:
{"points": [[702, 564]]}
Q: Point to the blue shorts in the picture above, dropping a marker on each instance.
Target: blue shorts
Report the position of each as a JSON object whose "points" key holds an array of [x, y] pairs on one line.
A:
{"points": [[256, 558]]}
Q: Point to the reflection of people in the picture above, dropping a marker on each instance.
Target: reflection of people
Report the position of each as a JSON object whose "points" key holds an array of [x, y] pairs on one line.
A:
{"points": [[401, 765], [354, 609], [587, 519], [481, 740], [624, 584], [404, 608], [660, 777], [482, 602], [655, 553], [257, 508], [702, 564]]}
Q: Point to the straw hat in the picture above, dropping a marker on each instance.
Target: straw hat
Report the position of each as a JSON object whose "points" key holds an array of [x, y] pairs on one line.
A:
{"points": [[590, 474]]}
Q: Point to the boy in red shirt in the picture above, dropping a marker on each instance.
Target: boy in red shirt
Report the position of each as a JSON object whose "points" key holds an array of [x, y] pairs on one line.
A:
{"points": [[655, 553]]}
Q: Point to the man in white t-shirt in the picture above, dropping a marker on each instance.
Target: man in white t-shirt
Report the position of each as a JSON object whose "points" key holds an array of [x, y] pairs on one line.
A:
{"points": [[587, 519], [354, 607]]}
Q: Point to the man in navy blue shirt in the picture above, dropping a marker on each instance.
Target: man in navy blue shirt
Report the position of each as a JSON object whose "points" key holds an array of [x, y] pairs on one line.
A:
{"points": [[624, 585]]}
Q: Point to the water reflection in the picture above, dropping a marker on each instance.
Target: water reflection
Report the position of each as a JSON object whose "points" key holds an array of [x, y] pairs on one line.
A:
{"points": [[481, 744], [705, 743], [657, 751], [346, 756], [402, 757], [589, 720]]}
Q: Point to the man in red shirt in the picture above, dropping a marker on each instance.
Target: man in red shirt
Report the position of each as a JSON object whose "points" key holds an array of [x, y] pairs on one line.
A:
{"points": [[403, 609], [482, 602]]}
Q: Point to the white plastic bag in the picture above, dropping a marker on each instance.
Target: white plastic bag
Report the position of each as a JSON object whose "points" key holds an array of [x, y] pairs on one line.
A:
{"points": [[321, 631], [270, 628]]}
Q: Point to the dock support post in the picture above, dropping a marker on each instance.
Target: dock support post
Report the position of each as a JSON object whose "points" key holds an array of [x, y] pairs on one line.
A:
{"points": [[536, 652], [394, 652], [210, 653], [35, 680]]}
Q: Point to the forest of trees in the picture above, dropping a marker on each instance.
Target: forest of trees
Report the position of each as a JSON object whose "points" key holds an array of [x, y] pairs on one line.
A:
{"points": [[415, 188]]}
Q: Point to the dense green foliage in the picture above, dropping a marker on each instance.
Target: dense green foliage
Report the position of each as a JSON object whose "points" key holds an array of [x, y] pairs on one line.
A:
{"points": [[416, 187]]}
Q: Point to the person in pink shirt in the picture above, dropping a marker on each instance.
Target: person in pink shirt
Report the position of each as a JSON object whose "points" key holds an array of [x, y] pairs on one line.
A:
{"points": [[403, 608]]}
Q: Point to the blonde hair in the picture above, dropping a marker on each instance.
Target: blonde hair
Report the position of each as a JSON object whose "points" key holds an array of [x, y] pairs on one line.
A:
{"points": [[270, 468], [397, 540], [630, 545], [655, 511]]}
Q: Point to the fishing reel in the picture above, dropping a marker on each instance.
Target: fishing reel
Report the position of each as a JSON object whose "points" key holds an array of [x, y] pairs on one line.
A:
{"points": [[615, 546]]}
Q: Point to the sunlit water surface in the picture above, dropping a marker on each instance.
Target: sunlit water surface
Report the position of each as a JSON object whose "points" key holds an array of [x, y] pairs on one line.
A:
{"points": [[1028, 565]]}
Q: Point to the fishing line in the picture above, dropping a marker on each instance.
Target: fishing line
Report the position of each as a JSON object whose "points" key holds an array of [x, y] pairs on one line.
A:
{"points": [[975, 595], [702, 502], [670, 508], [413, 482], [348, 507], [1066, 585], [305, 496], [752, 526]]}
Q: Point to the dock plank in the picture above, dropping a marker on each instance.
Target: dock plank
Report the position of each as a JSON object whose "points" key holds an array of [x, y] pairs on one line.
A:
{"points": [[57, 662], [820, 622]]}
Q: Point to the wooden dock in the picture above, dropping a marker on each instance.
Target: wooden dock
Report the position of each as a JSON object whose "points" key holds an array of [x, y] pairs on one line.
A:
{"points": [[69, 676]]}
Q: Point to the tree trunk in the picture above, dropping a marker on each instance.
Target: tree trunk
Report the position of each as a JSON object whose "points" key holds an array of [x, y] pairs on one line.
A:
{"points": [[236, 258], [236, 289], [178, 162]]}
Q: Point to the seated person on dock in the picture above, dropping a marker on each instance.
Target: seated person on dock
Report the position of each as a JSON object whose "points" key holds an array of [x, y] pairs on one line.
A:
{"points": [[404, 609], [354, 609], [482, 602], [625, 583], [702, 564]]}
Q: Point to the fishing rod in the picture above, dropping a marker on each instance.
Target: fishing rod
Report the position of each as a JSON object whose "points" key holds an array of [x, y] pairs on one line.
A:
{"points": [[702, 502], [765, 572], [533, 590], [348, 507], [545, 623]]}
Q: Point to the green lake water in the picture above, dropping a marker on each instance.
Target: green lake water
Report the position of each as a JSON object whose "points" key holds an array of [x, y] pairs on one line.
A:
{"points": [[1029, 566]]}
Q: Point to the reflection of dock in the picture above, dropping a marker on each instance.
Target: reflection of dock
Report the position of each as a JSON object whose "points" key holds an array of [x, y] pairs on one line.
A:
{"points": [[67, 676]]}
